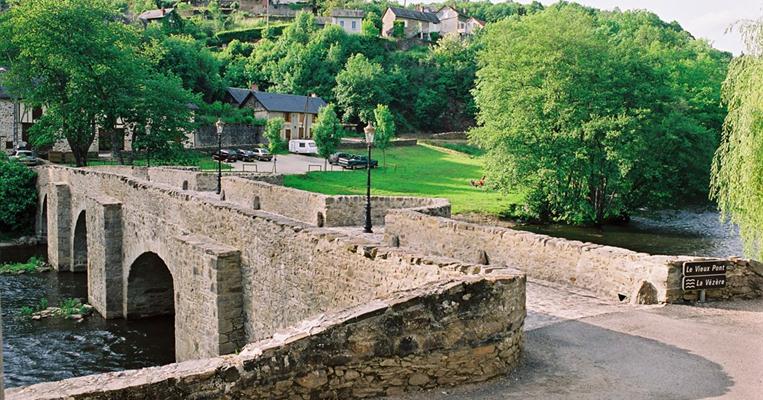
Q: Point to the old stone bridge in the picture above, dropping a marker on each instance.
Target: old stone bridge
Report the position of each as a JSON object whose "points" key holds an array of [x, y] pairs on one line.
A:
{"points": [[314, 306]]}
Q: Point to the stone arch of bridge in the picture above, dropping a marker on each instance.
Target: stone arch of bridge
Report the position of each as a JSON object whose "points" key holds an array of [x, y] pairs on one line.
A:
{"points": [[150, 287], [42, 217], [80, 244]]}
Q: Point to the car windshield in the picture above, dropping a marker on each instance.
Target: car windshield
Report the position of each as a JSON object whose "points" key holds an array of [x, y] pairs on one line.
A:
{"points": [[264, 151], [24, 153]]}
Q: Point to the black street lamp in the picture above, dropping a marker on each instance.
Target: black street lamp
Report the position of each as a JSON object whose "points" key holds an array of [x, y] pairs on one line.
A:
{"points": [[148, 144], [219, 124], [369, 131]]}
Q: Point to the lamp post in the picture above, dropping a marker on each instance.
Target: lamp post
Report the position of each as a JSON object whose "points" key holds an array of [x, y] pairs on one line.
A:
{"points": [[219, 124], [148, 144], [369, 130]]}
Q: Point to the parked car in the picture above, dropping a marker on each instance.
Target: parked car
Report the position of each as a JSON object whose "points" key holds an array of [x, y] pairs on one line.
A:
{"points": [[262, 154], [245, 155], [357, 162], [303, 146], [225, 155], [334, 158], [26, 157]]}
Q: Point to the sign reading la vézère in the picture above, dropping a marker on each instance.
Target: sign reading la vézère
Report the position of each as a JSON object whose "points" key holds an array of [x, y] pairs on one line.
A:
{"points": [[701, 275]]}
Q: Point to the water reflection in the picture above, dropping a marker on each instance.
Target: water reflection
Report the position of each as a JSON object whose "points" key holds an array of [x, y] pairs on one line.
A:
{"points": [[54, 349], [693, 232]]}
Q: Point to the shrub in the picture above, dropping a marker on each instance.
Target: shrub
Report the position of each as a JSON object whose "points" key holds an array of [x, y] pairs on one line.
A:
{"points": [[250, 34], [18, 196]]}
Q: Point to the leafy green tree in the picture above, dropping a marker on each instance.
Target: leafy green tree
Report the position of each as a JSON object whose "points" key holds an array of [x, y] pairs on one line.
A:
{"points": [[327, 132], [165, 105], [18, 196], [371, 25], [398, 29], [581, 119], [74, 58], [359, 87], [273, 130], [185, 57], [737, 173], [385, 129]]}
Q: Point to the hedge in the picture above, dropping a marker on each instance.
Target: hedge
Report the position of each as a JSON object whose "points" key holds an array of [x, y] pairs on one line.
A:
{"points": [[249, 34]]}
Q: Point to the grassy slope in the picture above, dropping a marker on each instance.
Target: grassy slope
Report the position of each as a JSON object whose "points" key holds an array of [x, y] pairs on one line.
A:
{"points": [[414, 171]]}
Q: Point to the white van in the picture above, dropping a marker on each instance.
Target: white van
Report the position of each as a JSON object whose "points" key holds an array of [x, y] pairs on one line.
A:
{"points": [[303, 146]]}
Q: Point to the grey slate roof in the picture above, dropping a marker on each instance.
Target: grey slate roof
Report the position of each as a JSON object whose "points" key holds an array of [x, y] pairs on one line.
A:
{"points": [[155, 14], [278, 102], [413, 14], [347, 13]]}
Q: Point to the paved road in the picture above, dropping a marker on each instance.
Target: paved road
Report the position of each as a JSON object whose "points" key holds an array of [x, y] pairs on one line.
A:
{"points": [[581, 347], [288, 164]]}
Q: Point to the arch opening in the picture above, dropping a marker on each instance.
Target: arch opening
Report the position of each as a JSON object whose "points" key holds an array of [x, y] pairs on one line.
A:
{"points": [[79, 253], [185, 185], [150, 288], [42, 228]]}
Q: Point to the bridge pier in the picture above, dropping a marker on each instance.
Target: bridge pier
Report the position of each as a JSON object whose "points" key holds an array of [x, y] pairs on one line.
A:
{"points": [[59, 226], [105, 265]]}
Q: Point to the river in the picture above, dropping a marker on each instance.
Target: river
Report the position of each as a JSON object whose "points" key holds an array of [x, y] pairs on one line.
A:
{"points": [[692, 232], [54, 349]]}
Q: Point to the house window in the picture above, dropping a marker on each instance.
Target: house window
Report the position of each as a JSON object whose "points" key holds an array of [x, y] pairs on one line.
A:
{"points": [[9, 145], [341, 23], [287, 117], [353, 25]]}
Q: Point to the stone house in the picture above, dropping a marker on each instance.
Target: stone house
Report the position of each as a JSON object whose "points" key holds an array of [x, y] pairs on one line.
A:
{"points": [[453, 22], [158, 15], [349, 20], [419, 23], [423, 22], [298, 112]]}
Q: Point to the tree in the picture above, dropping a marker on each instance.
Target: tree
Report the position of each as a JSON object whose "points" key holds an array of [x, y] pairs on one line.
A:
{"points": [[576, 116], [737, 173], [327, 133], [74, 58], [398, 30], [18, 196], [371, 25], [385, 129], [273, 134], [359, 87], [164, 104]]}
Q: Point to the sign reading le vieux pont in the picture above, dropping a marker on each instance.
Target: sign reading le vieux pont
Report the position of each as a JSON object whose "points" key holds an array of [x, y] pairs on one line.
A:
{"points": [[700, 275]]}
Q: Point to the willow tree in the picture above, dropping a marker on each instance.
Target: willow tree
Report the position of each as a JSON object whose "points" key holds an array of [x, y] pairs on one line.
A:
{"points": [[737, 172]]}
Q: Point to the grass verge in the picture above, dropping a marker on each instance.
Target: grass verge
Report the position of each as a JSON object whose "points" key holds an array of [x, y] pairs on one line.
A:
{"points": [[422, 171]]}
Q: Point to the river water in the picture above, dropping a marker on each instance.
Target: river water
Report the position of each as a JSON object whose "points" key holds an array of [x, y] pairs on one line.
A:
{"points": [[691, 232], [54, 349]]}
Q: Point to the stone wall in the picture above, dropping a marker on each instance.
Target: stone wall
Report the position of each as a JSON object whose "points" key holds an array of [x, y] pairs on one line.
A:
{"points": [[6, 125], [233, 136], [441, 334], [322, 210], [612, 272]]}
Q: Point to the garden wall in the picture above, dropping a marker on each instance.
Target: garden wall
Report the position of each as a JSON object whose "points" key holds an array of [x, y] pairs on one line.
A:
{"points": [[610, 271], [440, 334]]}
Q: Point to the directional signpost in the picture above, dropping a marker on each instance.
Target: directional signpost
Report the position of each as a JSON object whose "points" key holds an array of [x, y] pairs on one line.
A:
{"points": [[701, 275]]}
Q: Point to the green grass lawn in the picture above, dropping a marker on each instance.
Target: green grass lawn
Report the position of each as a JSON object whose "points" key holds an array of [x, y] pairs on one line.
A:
{"points": [[424, 171]]}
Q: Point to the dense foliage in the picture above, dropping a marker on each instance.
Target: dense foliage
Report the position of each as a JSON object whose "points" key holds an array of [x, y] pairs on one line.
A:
{"points": [[737, 182], [595, 114], [79, 61], [18, 196], [327, 132]]}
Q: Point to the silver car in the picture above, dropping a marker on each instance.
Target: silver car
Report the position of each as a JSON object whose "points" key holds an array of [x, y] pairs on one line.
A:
{"points": [[26, 157]]}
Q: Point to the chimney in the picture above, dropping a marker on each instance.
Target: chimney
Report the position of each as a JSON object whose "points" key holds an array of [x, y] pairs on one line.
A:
{"points": [[255, 87], [163, 11], [313, 95]]}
